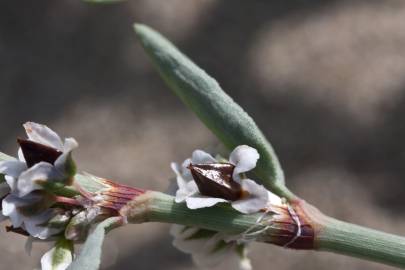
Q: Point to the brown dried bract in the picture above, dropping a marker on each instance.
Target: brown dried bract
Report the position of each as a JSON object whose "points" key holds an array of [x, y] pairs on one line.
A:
{"points": [[215, 180], [292, 228], [35, 152]]}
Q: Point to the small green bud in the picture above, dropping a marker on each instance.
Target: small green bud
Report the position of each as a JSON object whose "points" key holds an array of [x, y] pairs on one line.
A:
{"points": [[78, 227]]}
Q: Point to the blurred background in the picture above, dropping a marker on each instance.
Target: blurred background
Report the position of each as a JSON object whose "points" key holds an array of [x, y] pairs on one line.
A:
{"points": [[323, 79]]}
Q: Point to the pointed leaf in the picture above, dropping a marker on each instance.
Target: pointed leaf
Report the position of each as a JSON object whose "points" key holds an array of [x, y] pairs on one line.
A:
{"points": [[202, 94], [4, 157], [90, 256], [59, 257]]}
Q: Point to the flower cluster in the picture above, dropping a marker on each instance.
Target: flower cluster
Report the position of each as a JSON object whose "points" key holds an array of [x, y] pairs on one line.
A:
{"points": [[204, 181], [43, 159], [30, 195], [209, 248]]}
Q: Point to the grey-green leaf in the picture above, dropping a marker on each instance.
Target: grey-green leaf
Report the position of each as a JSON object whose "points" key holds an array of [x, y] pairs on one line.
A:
{"points": [[90, 256], [4, 157], [203, 95], [59, 257]]}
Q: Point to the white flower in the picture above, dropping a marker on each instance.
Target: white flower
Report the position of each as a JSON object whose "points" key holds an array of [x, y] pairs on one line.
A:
{"points": [[244, 159], [35, 225], [38, 133], [209, 248], [28, 177], [26, 207]]}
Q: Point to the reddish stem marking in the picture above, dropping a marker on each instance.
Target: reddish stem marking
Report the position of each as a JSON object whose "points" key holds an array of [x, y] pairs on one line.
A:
{"points": [[66, 200]]}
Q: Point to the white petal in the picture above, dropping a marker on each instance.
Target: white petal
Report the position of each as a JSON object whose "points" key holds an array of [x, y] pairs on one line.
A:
{"points": [[185, 171], [181, 182], [186, 191], [61, 164], [176, 229], [199, 201], [21, 155], [8, 204], [201, 157], [42, 171], [12, 168], [44, 135], [274, 199], [244, 158], [181, 233], [11, 182], [206, 258], [172, 188], [35, 225], [9, 208], [11, 203], [70, 144], [257, 199]]}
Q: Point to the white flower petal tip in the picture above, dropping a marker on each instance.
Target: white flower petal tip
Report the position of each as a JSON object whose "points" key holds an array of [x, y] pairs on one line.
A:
{"points": [[70, 144], [244, 158], [201, 157], [44, 135], [274, 199], [181, 176], [12, 168], [199, 201], [181, 241], [185, 191], [257, 199], [9, 209]]}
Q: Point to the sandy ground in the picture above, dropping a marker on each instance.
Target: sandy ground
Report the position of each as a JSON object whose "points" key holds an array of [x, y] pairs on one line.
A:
{"points": [[323, 79]]}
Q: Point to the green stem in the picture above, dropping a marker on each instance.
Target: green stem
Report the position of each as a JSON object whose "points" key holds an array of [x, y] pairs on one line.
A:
{"points": [[219, 218], [349, 239], [330, 234]]}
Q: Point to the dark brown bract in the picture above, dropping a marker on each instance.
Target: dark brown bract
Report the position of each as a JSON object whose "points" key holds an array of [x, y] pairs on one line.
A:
{"points": [[215, 180], [35, 152]]}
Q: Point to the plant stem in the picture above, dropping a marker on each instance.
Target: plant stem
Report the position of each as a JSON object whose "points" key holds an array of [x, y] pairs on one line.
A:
{"points": [[349, 239], [219, 218], [330, 234]]}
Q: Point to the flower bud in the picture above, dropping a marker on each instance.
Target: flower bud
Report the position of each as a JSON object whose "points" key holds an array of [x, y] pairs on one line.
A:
{"points": [[60, 220], [78, 227]]}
